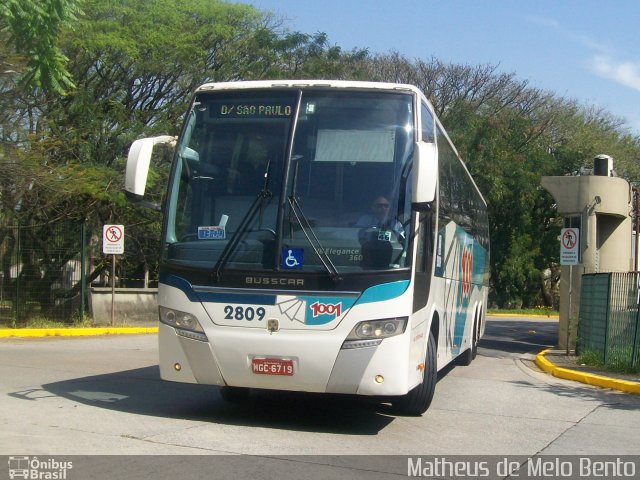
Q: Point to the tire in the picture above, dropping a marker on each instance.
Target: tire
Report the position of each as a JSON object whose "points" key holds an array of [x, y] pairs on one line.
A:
{"points": [[476, 340], [417, 401], [234, 394], [470, 353]]}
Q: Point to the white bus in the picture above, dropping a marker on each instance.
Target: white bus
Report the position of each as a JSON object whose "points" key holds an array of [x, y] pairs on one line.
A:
{"points": [[319, 236]]}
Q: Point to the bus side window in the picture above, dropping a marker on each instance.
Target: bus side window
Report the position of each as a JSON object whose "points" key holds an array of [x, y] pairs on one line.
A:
{"points": [[425, 242], [427, 125]]}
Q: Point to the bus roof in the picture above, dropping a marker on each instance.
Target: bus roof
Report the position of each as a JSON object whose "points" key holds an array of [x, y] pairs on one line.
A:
{"points": [[338, 84]]}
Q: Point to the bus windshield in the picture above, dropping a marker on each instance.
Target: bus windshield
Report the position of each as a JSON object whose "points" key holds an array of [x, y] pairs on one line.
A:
{"points": [[310, 180]]}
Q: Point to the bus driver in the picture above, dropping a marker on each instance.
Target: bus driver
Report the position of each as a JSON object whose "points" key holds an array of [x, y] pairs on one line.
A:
{"points": [[378, 218]]}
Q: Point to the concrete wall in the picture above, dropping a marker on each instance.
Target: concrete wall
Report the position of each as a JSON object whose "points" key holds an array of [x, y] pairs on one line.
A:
{"points": [[133, 306], [575, 194]]}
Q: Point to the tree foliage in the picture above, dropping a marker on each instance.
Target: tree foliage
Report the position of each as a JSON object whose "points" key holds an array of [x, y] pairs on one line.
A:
{"points": [[510, 135], [33, 27], [86, 85]]}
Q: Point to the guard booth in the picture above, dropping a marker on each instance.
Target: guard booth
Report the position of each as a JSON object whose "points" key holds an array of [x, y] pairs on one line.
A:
{"points": [[598, 205]]}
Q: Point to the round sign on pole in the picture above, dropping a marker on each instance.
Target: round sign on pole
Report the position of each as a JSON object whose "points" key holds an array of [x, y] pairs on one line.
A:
{"points": [[113, 239], [569, 246]]}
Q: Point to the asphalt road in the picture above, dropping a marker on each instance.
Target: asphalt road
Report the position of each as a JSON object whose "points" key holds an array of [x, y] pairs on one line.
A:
{"points": [[103, 396]]}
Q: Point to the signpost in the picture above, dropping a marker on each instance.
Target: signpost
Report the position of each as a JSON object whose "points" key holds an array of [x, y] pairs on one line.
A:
{"points": [[569, 255], [113, 239], [569, 246], [113, 244]]}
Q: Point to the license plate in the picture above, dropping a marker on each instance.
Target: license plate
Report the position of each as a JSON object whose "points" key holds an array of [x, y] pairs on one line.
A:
{"points": [[272, 366]]}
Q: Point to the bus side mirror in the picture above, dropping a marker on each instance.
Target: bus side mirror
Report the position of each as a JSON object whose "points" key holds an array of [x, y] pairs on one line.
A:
{"points": [[425, 175], [138, 162]]}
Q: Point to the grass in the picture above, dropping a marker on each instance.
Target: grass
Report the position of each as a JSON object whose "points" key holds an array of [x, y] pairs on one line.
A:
{"points": [[537, 311], [617, 364], [44, 322]]}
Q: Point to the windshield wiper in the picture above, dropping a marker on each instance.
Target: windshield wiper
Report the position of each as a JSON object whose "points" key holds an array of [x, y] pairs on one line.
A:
{"points": [[247, 220], [308, 231]]}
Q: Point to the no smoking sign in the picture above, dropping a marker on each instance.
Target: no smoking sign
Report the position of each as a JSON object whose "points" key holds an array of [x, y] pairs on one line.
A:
{"points": [[113, 239]]}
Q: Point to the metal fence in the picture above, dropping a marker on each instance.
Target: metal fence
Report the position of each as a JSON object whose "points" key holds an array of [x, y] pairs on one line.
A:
{"points": [[41, 274], [609, 320]]}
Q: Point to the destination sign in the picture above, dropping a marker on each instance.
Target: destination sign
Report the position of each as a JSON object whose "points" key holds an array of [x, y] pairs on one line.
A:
{"points": [[251, 110]]}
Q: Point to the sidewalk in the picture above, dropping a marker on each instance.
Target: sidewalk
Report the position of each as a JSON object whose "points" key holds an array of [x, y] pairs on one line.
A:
{"points": [[561, 365]]}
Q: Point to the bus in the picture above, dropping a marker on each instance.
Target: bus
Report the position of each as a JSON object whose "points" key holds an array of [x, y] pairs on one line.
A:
{"points": [[318, 236]]}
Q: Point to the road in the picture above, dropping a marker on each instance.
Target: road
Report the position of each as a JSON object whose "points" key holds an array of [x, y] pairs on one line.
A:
{"points": [[103, 396]]}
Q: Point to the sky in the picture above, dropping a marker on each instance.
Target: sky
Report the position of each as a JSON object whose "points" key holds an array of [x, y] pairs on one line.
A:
{"points": [[587, 50]]}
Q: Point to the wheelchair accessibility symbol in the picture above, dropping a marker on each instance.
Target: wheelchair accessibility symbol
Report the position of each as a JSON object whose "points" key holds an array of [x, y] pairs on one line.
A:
{"points": [[292, 258]]}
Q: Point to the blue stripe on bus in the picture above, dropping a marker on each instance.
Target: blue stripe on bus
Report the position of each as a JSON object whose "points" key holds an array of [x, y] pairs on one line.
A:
{"points": [[385, 291], [377, 293], [183, 285], [253, 299], [179, 283]]}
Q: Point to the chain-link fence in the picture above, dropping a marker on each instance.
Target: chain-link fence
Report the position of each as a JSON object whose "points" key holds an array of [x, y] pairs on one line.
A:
{"points": [[609, 322], [42, 274]]}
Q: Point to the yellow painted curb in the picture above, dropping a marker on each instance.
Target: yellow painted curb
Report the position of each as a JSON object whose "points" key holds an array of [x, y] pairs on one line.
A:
{"points": [[72, 332], [523, 315], [588, 378], [544, 364]]}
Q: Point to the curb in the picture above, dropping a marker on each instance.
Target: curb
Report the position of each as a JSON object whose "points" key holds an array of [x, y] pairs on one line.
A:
{"points": [[73, 332], [588, 378], [524, 315]]}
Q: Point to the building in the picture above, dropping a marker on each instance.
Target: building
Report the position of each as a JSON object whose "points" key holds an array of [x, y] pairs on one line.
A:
{"points": [[600, 206]]}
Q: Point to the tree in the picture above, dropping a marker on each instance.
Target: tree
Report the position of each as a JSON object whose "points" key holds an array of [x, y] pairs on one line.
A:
{"points": [[32, 28], [136, 62], [509, 135]]}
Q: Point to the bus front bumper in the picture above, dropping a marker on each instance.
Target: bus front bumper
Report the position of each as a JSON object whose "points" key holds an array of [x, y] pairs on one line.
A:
{"points": [[318, 364]]}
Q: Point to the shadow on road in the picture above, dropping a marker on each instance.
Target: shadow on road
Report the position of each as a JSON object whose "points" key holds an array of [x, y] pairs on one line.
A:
{"points": [[519, 336], [142, 392], [607, 399]]}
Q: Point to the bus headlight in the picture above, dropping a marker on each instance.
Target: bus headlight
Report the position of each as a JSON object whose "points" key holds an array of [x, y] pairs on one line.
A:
{"points": [[180, 320], [371, 332]]}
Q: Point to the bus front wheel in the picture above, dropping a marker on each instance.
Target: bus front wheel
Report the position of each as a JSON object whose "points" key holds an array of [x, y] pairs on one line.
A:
{"points": [[417, 401]]}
